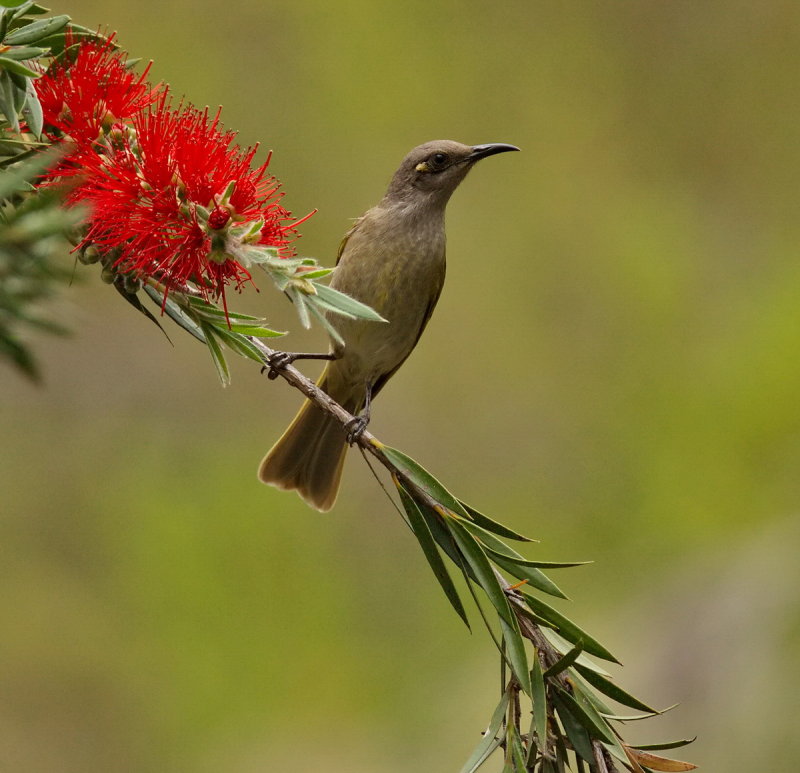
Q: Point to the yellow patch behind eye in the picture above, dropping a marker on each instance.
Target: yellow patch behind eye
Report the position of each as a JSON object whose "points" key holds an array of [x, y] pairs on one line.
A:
{"points": [[423, 167]]}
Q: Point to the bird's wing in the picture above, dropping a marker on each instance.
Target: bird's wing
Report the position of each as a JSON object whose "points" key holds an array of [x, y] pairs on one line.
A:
{"points": [[436, 292], [346, 237]]}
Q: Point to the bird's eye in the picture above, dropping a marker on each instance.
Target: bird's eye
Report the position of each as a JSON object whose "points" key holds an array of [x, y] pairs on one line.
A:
{"points": [[438, 160]]}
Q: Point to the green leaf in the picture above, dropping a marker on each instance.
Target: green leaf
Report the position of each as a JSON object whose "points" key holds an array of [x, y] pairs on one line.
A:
{"points": [[32, 111], [58, 41], [325, 322], [535, 577], [517, 753], [16, 179], [613, 691], [539, 697], [490, 741], [317, 273], [256, 332], [175, 312], [35, 31], [239, 344], [493, 526], [444, 539], [563, 663], [18, 354], [579, 738], [593, 724], [515, 652], [421, 478], [217, 354], [301, 307], [654, 747], [344, 304], [521, 561], [7, 100], [19, 53], [484, 574], [569, 630], [428, 545], [560, 644], [492, 543]]}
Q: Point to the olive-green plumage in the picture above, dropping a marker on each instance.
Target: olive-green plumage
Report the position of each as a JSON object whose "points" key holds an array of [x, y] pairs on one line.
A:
{"points": [[392, 259]]}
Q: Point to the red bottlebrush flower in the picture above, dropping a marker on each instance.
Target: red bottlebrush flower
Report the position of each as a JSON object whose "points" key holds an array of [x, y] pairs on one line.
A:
{"points": [[79, 97], [166, 195], [169, 194]]}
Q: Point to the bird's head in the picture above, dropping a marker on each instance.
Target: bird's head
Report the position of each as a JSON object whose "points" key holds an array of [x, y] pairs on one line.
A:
{"points": [[435, 169]]}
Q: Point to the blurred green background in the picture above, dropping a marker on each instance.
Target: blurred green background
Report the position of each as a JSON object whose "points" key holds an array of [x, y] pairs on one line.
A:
{"points": [[613, 368]]}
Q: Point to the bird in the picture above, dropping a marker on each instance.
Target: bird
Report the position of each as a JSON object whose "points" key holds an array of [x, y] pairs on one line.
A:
{"points": [[392, 259]]}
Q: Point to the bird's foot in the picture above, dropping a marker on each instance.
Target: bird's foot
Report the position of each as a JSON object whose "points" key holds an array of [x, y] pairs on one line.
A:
{"points": [[278, 361], [355, 428]]}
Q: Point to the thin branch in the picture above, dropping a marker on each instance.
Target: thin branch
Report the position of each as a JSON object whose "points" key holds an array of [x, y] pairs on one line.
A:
{"points": [[370, 444]]}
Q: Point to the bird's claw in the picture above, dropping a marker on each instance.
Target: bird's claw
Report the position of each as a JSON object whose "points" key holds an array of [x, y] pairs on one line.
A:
{"points": [[277, 362], [355, 428]]}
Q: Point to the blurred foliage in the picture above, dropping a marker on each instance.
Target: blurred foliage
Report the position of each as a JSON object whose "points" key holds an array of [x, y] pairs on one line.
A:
{"points": [[32, 249], [32, 227], [633, 402]]}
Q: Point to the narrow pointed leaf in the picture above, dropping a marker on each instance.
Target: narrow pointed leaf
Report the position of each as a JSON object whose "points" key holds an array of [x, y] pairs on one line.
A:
{"points": [[635, 717], [654, 762], [25, 52], [335, 335], [32, 112], [420, 477], [586, 702], [490, 741], [34, 31], [631, 761], [569, 630], [239, 344], [664, 746], [595, 728], [613, 691], [515, 651], [493, 543], [347, 305], [521, 561], [217, 355], [480, 565], [563, 646], [12, 65], [535, 577], [174, 312], [579, 738], [565, 662], [508, 558], [426, 541], [517, 752], [444, 539], [493, 526]]}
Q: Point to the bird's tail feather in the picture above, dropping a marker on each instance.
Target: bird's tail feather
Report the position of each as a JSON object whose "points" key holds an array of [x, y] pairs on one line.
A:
{"points": [[309, 456]]}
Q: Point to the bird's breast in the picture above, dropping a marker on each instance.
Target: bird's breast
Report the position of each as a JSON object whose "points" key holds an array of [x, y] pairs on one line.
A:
{"points": [[396, 266]]}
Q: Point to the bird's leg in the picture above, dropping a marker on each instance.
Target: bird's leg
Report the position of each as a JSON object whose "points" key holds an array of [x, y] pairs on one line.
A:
{"points": [[356, 426], [279, 360]]}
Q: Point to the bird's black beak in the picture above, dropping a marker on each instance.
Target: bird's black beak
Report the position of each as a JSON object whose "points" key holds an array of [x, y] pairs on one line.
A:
{"points": [[492, 148]]}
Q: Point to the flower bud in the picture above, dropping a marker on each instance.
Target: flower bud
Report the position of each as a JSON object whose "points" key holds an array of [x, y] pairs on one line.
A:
{"points": [[218, 218], [89, 255]]}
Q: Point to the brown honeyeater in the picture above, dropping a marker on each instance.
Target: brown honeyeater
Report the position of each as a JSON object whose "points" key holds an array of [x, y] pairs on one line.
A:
{"points": [[392, 259]]}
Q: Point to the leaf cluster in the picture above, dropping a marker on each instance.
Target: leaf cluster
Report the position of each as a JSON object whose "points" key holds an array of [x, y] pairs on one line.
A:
{"points": [[547, 659], [33, 226]]}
